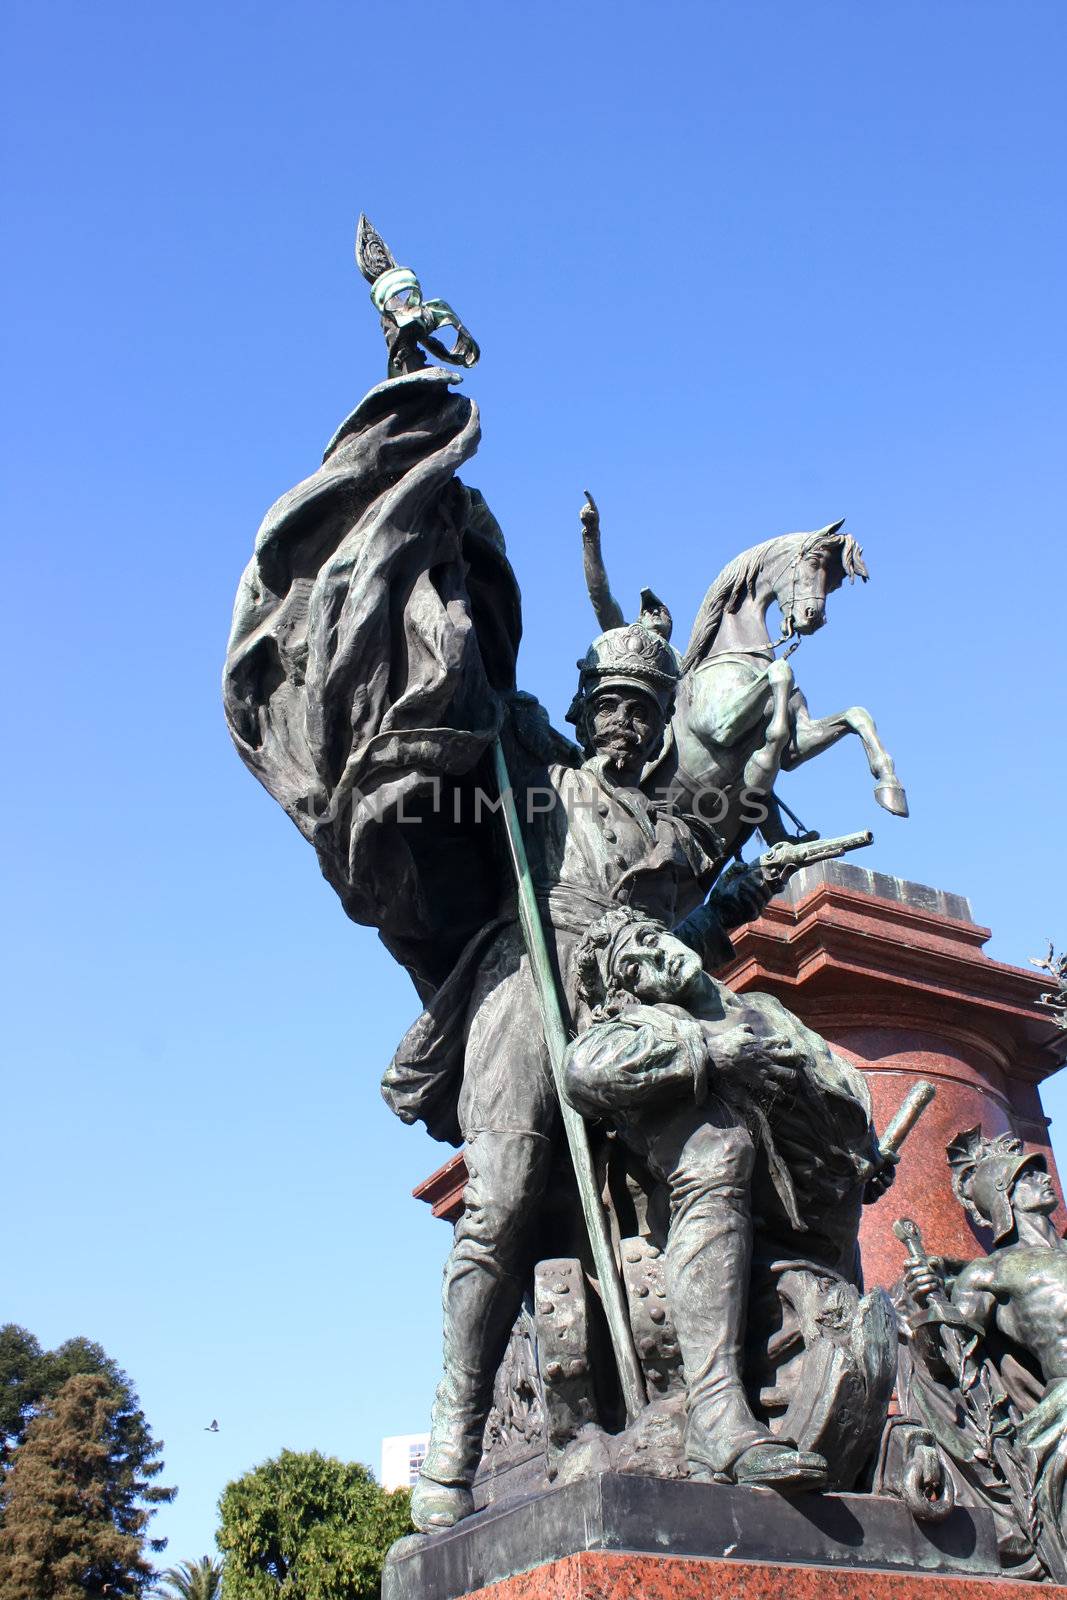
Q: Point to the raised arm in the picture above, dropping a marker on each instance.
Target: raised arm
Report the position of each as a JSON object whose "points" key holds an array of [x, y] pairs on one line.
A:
{"points": [[607, 608]]}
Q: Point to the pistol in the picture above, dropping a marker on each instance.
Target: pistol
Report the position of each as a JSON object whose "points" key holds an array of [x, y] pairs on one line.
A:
{"points": [[780, 862]]}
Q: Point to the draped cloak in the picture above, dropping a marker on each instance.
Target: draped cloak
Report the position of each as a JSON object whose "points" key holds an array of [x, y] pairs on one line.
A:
{"points": [[371, 664], [370, 667]]}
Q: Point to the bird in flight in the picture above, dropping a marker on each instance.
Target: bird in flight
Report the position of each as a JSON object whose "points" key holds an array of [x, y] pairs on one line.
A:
{"points": [[214, 1428]]}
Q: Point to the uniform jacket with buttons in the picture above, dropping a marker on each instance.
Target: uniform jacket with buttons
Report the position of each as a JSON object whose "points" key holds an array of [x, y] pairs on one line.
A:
{"points": [[591, 845]]}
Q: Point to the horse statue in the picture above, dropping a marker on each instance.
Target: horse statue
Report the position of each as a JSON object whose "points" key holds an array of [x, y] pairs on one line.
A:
{"points": [[740, 717]]}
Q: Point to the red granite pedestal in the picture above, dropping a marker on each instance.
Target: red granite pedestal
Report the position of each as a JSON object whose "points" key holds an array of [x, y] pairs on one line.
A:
{"points": [[893, 974], [603, 1575]]}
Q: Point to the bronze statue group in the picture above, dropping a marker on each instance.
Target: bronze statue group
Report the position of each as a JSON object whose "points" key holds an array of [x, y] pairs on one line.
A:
{"points": [[371, 685]]}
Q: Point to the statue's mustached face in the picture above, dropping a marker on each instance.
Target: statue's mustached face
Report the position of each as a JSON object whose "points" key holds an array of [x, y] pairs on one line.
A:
{"points": [[625, 727], [654, 966]]}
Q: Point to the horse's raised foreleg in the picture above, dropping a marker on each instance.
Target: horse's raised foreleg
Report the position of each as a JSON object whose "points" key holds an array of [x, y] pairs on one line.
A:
{"points": [[813, 735]]}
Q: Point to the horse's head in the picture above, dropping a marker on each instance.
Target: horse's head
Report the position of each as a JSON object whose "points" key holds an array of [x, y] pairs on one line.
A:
{"points": [[798, 570], [815, 565]]}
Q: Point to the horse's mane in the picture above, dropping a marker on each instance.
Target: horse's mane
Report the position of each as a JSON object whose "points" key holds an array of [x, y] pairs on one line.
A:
{"points": [[737, 580]]}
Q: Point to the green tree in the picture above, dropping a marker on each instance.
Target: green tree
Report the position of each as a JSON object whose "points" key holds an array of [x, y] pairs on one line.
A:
{"points": [[29, 1375], [21, 1359], [192, 1580], [32, 1380], [74, 1517], [308, 1527]]}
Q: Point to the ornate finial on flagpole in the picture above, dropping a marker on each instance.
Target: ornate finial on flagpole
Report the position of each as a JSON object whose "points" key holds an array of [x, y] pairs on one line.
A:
{"points": [[409, 322]]}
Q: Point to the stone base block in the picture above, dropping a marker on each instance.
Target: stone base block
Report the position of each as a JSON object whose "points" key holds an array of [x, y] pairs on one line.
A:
{"points": [[597, 1575], [618, 1535]]}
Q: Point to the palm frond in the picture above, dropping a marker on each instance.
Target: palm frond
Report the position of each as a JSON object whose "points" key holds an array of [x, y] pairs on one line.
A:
{"points": [[189, 1580]]}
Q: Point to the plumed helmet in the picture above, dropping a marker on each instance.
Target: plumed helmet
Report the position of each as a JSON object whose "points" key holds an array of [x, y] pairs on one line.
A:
{"points": [[984, 1172], [627, 658]]}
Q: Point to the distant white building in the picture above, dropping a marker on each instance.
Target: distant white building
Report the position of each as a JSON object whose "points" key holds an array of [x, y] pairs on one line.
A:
{"points": [[402, 1458]]}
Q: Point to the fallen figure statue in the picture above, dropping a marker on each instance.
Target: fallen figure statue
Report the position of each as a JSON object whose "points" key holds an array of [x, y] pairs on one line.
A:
{"points": [[740, 1112]]}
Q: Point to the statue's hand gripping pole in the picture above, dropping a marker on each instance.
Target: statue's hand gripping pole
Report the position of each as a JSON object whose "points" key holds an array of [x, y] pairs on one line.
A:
{"points": [[630, 1376]]}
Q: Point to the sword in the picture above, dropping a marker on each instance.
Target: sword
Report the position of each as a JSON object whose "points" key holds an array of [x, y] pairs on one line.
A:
{"points": [[985, 1401]]}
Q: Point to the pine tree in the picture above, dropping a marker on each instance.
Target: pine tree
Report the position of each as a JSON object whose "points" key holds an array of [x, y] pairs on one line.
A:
{"points": [[77, 1499], [21, 1371], [28, 1374]]}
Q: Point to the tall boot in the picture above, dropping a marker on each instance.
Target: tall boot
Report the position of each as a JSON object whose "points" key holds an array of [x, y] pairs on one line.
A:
{"points": [[483, 1287], [708, 1264], [480, 1310]]}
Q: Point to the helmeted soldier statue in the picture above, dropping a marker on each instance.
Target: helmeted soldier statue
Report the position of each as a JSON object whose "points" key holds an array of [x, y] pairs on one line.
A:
{"points": [[595, 841], [371, 685], [1019, 1290], [1015, 1300]]}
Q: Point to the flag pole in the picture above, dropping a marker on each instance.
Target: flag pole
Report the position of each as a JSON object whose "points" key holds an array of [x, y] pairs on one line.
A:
{"points": [[611, 1291]]}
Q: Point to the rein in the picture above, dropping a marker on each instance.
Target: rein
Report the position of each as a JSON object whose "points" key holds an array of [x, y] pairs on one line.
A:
{"points": [[792, 643]]}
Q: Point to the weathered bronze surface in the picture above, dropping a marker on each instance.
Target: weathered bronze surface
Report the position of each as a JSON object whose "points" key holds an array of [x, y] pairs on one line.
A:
{"points": [[1056, 967], [986, 1362], [656, 1270], [737, 1110], [409, 322], [740, 719]]}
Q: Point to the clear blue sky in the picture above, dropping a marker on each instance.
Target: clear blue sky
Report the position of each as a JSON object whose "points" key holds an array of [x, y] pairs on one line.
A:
{"points": [[740, 268]]}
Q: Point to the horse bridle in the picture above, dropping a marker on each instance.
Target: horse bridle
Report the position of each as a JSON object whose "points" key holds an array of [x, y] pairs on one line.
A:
{"points": [[787, 616], [789, 637]]}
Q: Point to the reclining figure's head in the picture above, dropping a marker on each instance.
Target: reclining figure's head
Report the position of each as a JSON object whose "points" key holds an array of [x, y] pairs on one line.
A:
{"points": [[626, 956]]}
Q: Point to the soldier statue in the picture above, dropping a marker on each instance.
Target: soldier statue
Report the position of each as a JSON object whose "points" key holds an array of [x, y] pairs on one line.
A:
{"points": [[1007, 1312], [371, 686], [596, 843]]}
